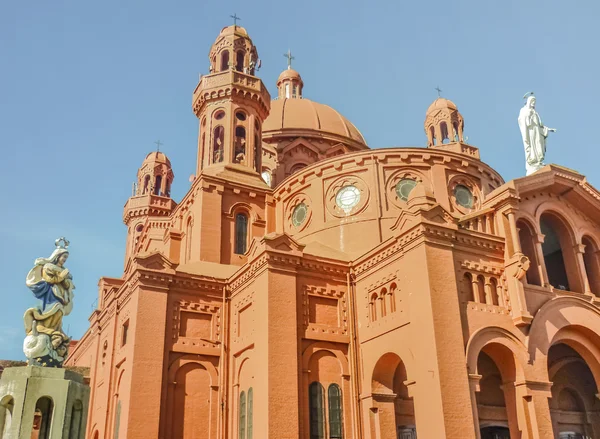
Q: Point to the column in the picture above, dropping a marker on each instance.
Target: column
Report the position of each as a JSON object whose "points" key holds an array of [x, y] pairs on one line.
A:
{"points": [[539, 252], [538, 419], [579, 250], [474, 380]]}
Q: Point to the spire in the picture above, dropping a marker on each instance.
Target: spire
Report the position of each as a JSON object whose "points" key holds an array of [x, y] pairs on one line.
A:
{"points": [[289, 84]]}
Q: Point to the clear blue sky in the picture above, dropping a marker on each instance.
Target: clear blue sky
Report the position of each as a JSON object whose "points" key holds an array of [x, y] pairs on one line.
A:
{"points": [[88, 86]]}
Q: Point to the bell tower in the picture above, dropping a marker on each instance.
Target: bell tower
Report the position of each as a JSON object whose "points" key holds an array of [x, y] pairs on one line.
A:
{"points": [[151, 197], [231, 105]]}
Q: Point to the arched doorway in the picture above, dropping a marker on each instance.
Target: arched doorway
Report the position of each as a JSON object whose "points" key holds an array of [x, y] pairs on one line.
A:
{"points": [[496, 399], [574, 405], [393, 409]]}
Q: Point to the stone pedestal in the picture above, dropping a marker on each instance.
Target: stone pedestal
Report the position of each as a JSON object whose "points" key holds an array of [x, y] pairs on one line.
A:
{"points": [[55, 400]]}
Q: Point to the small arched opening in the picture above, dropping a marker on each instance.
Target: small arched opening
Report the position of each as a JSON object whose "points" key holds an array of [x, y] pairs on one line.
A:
{"points": [[7, 405], [146, 184], [392, 298], [373, 307], [225, 60], [559, 255], [526, 238], [432, 135], [481, 290], [158, 185], [469, 288], [382, 306], [592, 268], [239, 154], [218, 139], [42, 422], [444, 132], [239, 61]]}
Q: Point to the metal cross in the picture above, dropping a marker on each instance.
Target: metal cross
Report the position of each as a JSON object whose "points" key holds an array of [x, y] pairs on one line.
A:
{"points": [[235, 19], [158, 143], [289, 57], [439, 90]]}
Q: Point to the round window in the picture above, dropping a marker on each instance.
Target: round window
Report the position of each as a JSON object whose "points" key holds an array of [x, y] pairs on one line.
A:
{"points": [[404, 187], [240, 115], [347, 197], [220, 115], [464, 196], [139, 228], [299, 214], [266, 176]]}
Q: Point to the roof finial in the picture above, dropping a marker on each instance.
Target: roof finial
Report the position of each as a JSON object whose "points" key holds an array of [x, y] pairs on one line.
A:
{"points": [[439, 90], [235, 19], [289, 57], [158, 143]]}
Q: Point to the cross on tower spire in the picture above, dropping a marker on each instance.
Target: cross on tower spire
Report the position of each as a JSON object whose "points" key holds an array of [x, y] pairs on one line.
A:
{"points": [[158, 143], [289, 57], [235, 19], [439, 90]]}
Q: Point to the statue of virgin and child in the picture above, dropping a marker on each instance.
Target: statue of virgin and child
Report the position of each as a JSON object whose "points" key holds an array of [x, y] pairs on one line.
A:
{"points": [[46, 344]]}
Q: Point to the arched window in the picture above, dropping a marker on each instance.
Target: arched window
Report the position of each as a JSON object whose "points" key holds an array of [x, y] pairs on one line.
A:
{"points": [[239, 61], [335, 411], [297, 167], [218, 139], [240, 145], [157, 184], [242, 418], [76, 417], [316, 412], [590, 260], [224, 60], [456, 135], [45, 408], [468, 280], [559, 256], [494, 291], [241, 233], [188, 240], [146, 184], [444, 131], [392, 296], [249, 420], [203, 149], [528, 248], [382, 302], [168, 189], [481, 289], [373, 307]]}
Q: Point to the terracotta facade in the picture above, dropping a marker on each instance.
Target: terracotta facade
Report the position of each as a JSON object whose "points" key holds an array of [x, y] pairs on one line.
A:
{"points": [[310, 287]]}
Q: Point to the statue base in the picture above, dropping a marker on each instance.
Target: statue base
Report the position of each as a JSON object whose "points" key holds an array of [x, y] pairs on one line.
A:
{"points": [[42, 402]]}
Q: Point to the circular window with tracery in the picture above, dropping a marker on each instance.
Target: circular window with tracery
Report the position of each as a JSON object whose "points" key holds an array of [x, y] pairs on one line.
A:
{"points": [[347, 197], [404, 188], [464, 196], [299, 214]]}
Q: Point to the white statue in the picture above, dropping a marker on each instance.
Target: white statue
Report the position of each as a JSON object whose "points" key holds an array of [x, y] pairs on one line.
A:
{"points": [[534, 135]]}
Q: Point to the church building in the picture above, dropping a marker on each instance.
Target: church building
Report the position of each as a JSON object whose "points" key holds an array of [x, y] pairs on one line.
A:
{"points": [[309, 287]]}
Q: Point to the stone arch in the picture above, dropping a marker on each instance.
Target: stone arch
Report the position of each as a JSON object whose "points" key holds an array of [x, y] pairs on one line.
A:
{"points": [[576, 318], [591, 262], [193, 396], [403, 354], [499, 336]]}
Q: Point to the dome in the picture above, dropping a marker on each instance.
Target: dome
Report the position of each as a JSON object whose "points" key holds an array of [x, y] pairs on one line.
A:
{"points": [[318, 120], [230, 30], [289, 74], [157, 157], [441, 103]]}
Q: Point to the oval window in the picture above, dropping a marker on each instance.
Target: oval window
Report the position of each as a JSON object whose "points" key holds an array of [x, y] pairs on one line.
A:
{"points": [[464, 196], [220, 115], [299, 214], [240, 115], [404, 187], [347, 197]]}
